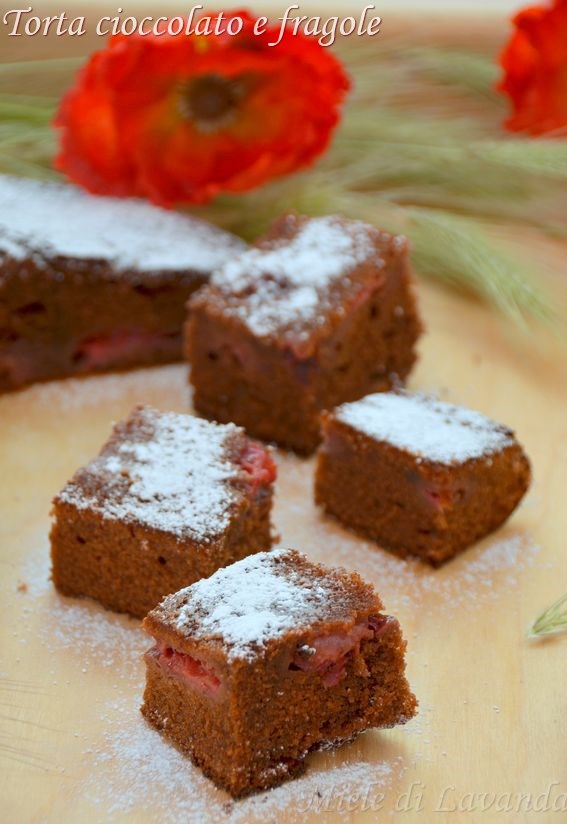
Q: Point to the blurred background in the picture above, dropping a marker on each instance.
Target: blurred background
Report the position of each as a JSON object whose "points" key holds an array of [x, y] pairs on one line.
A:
{"points": [[422, 147]]}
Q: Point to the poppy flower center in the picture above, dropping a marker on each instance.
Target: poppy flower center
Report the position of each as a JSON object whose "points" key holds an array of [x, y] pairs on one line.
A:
{"points": [[211, 101]]}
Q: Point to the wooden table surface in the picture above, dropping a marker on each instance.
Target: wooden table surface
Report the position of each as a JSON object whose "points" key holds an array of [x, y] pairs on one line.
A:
{"points": [[493, 705], [490, 741]]}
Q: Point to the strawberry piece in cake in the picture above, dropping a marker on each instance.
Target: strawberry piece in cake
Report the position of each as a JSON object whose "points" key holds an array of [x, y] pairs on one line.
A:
{"points": [[418, 476], [322, 311], [268, 659], [89, 284], [169, 500]]}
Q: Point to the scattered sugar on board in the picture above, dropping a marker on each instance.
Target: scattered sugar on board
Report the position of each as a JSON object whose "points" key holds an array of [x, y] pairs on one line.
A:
{"points": [[162, 386], [81, 628], [425, 426], [157, 776], [290, 284], [134, 769], [169, 472], [44, 220], [278, 598]]}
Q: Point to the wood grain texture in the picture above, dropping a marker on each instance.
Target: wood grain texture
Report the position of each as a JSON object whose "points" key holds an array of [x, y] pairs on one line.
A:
{"points": [[493, 705]]}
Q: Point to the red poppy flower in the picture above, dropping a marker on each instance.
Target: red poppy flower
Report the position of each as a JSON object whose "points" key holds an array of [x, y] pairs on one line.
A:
{"points": [[535, 65], [180, 119]]}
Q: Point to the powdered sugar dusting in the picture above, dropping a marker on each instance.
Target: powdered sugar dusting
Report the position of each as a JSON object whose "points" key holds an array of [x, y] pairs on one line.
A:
{"points": [[121, 390], [426, 427], [46, 220], [93, 636], [135, 769], [167, 471], [469, 582], [128, 769], [251, 602], [118, 768], [290, 282]]}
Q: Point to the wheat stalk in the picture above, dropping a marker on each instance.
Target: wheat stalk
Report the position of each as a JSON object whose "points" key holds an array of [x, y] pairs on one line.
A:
{"points": [[439, 168], [551, 621]]}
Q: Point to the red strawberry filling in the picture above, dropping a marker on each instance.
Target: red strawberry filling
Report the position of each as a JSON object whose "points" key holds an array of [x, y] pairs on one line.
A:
{"points": [[366, 292], [438, 498], [99, 351], [259, 465], [193, 672], [328, 655]]}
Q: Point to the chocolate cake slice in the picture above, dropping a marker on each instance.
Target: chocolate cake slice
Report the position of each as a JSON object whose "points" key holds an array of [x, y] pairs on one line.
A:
{"points": [[269, 659], [94, 283], [169, 500], [322, 311], [419, 476]]}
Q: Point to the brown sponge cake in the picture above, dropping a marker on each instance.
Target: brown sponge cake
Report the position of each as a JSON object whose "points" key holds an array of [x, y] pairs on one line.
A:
{"points": [[267, 660], [322, 311], [419, 476], [169, 500], [89, 284]]}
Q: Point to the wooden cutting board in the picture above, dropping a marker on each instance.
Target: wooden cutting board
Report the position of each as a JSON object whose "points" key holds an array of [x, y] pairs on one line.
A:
{"points": [[493, 705], [489, 743]]}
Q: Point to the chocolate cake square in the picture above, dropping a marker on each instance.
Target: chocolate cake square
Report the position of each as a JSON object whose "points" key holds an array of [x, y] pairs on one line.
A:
{"points": [[90, 283], [418, 476], [169, 500], [267, 660], [322, 311]]}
